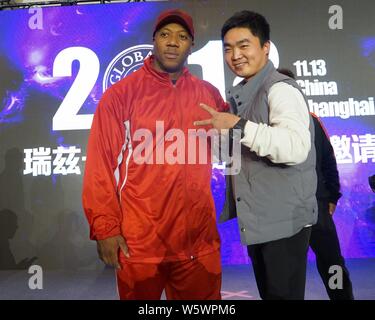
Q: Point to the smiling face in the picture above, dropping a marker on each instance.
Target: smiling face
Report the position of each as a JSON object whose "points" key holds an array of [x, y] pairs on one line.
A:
{"points": [[244, 53], [172, 46]]}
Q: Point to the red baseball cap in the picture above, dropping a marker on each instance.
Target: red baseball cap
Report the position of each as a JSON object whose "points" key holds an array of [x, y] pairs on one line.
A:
{"points": [[177, 16]]}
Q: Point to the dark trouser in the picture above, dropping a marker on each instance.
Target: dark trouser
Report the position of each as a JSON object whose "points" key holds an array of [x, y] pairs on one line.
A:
{"points": [[280, 266], [325, 244]]}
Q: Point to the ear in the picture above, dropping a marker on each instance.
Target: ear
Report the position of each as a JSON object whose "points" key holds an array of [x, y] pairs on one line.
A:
{"points": [[267, 47], [191, 48]]}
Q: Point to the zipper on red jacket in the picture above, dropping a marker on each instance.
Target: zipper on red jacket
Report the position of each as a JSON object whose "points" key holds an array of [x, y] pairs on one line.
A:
{"points": [[186, 214]]}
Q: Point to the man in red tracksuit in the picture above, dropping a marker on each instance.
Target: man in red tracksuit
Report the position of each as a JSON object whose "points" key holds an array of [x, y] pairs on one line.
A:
{"points": [[148, 203]]}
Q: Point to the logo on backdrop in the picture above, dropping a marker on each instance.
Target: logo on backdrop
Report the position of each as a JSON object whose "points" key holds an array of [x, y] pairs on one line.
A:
{"points": [[125, 63]]}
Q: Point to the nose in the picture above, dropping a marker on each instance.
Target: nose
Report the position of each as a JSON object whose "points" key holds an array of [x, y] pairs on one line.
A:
{"points": [[236, 54], [173, 40]]}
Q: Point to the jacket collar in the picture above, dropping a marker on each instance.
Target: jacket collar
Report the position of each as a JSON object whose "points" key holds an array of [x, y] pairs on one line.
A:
{"points": [[161, 76], [248, 89]]}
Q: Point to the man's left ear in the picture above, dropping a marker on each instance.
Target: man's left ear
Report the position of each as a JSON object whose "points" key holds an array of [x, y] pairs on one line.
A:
{"points": [[191, 48], [267, 46]]}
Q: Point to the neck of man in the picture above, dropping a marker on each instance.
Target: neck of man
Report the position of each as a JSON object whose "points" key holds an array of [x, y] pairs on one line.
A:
{"points": [[172, 75], [175, 75]]}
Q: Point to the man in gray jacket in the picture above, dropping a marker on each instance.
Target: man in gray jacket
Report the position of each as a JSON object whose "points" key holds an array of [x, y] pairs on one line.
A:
{"points": [[273, 195]]}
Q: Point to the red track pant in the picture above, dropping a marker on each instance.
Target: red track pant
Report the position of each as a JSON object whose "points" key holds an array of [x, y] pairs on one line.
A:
{"points": [[197, 279]]}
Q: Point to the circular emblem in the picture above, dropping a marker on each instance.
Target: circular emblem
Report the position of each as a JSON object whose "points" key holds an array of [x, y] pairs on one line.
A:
{"points": [[125, 63]]}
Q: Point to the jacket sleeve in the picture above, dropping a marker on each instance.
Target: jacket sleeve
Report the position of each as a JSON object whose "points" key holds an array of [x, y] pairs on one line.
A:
{"points": [[287, 138], [99, 197], [329, 166]]}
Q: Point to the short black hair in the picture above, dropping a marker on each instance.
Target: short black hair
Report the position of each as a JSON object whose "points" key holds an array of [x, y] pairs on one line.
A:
{"points": [[255, 22]]}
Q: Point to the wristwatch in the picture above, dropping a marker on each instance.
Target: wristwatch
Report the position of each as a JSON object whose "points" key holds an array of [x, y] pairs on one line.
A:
{"points": [[240, 125]]}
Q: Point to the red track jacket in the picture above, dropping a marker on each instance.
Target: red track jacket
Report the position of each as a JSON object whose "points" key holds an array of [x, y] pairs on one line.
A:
{"points": [[164, 211]]}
